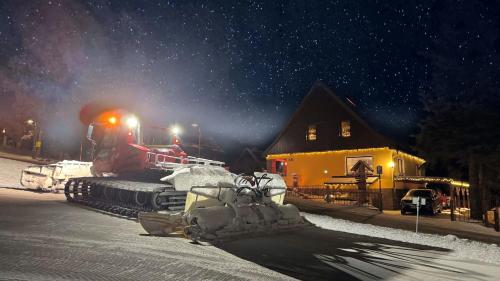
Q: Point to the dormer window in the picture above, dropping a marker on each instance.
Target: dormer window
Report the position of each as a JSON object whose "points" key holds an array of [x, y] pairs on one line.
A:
{"points": [[345, 129], [311, 133]]}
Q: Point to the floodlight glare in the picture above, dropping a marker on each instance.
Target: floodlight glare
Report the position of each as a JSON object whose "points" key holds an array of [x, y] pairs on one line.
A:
{"points": [[112, 120], [176, 130], [132, 122]]}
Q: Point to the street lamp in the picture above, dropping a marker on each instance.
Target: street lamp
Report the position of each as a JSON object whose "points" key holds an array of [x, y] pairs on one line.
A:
{"points": [[33, 123], [4, 141], [194, 125]]}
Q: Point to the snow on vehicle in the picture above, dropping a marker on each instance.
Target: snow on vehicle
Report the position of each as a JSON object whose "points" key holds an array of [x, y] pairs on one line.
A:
{"points": [[53, 177], [222, 205]]}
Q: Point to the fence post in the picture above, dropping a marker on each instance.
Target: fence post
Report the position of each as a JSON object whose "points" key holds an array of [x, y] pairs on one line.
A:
{"points": [[497, 219], [380, 190]]}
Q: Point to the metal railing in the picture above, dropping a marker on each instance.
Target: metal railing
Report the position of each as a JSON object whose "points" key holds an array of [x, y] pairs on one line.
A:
{"points": [[340, 197], [171, 162]]}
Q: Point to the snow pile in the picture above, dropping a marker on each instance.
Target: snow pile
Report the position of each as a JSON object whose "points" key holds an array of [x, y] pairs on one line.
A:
{"points": [[462, 248]]}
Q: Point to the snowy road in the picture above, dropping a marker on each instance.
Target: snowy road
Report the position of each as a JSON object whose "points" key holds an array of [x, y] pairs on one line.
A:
{"points": [[44, 237]]}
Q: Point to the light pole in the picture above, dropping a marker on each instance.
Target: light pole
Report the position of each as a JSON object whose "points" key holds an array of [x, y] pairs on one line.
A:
{"points": [[199, 138], [4, 133], [379, 173], [32, 123]]}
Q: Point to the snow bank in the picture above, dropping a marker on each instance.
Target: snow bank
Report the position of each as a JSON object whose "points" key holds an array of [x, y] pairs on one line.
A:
{"points": [[462, 248]]}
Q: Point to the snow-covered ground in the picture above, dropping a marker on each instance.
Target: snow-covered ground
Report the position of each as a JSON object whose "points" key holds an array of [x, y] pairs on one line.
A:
{"points": [[337, 249], [461, 248], [10, 172]]}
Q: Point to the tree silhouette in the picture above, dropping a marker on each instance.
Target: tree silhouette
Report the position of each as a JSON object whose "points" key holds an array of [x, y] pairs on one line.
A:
{"points": [[461, 129]]}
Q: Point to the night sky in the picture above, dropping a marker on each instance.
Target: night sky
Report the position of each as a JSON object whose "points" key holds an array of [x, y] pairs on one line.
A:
{"points": [[239, 68]]}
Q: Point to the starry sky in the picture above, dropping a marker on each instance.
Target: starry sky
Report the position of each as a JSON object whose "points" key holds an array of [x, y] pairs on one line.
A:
{"points": [[238, 68]]}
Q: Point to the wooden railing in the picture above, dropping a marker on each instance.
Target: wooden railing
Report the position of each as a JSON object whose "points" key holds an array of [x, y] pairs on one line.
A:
{"points": [[342, 197]]}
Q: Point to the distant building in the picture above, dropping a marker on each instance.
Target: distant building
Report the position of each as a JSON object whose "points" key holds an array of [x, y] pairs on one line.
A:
{"points": [[249, 161], [325, 138]]}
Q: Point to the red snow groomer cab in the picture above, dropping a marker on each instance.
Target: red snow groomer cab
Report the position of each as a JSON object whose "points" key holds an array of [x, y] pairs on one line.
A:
{"points": [[118, 148]]}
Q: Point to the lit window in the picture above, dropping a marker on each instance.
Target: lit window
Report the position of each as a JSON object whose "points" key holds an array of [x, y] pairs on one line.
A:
{"points": [[345, 129], [311, 133]]}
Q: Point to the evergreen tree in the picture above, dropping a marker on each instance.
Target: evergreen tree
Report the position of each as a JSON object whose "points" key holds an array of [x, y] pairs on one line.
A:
{"points": [[463, 98]]}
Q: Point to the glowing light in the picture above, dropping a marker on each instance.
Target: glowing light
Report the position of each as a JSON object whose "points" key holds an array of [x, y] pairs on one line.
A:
{"points": [[424, 179], [460, 183], [30, 121], [194, 125], [418, 159], [287, 155], [176, 130], [326, 152], [4, 131], [391, 164], [325, 172], [132, 122], [112, 120], [129, 133]]}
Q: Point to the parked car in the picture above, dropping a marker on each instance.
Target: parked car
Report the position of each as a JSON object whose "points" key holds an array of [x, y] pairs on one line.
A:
{"points": [[432, 202]]}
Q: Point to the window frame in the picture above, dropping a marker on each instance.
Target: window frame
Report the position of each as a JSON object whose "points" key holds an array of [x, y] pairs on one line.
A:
{"points": [[309, 132], [348, 173], [348, 129]]}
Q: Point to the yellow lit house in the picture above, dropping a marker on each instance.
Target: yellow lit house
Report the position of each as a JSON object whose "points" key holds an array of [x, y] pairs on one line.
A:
{"points": [[325, 138]]}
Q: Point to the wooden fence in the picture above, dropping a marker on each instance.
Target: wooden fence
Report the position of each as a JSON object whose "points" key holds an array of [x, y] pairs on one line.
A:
{"points": [[341, 197]]}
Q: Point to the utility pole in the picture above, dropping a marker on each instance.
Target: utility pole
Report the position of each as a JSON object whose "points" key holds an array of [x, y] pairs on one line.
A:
{"points": [[199, 138]]}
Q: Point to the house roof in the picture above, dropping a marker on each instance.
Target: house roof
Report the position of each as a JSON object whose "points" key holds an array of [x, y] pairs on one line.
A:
{"points": [[252, 152], [319, 85]]}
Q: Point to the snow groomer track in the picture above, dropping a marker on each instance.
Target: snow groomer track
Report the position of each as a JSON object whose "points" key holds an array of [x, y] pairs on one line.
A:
{"points": [[124, 197]]}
